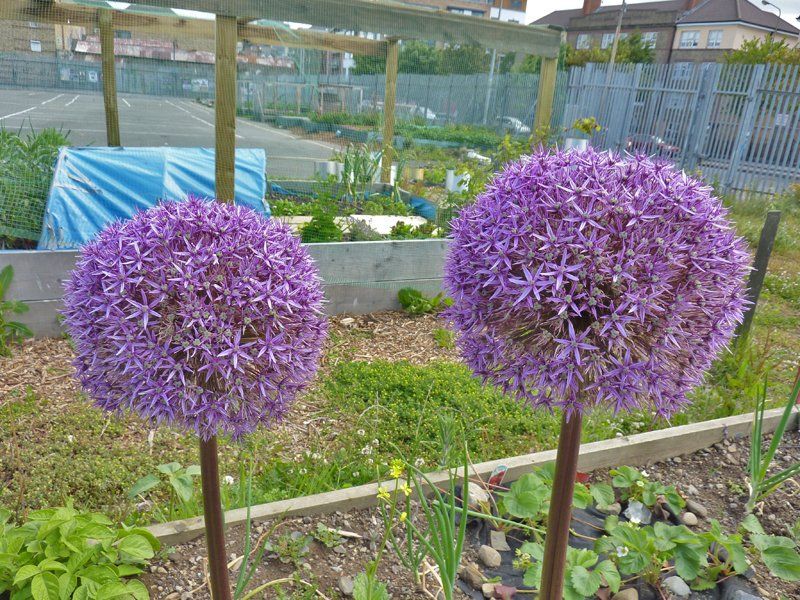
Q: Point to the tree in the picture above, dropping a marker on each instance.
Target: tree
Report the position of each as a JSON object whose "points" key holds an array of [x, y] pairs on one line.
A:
{"points": [[631, 49], [767, 50], [368, 65], [464, 59], [418, 57]]}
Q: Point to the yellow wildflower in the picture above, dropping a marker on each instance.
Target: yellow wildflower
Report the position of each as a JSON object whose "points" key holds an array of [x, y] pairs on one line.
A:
{"points": [[406, 489], [383, 494], [396, 468], [403, 516]]}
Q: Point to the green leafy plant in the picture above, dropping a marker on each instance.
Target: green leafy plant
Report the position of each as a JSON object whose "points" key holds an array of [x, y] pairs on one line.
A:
{"points": [[587, 126], [61, 553], [585, 573], [321, 228], [759, 462], [444, 338], [633, 484], [366, 585], [290, 547], [326, 536], [180, 480], [11, 332], [415, 302]]}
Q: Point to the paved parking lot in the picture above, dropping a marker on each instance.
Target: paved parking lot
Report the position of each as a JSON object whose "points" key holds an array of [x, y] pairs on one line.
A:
{"points": [[155, 121]]}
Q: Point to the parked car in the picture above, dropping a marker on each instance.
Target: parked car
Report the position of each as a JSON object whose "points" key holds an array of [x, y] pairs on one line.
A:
{"points": [[513, 126], [651, 144]]}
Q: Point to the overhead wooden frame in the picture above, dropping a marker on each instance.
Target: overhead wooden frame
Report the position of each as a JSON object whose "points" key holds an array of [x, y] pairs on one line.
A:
{"points": [[388, 18], [162, 25]]}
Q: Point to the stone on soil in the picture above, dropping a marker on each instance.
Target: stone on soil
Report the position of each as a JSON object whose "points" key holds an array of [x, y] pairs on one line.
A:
{"points": [[489, 556], [472, 575], [629, 594], [742, 595], [696, 508], [346, 585], [689, 519], [611, 509], [677, 587], [498, 541], [488, 590]]}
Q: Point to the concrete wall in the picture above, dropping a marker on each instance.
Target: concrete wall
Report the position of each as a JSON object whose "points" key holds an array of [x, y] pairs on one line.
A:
{"points": [[359, 277]]}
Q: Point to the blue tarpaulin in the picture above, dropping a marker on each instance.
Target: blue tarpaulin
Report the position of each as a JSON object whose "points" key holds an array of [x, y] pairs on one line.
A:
{"points": [[93, 187]]}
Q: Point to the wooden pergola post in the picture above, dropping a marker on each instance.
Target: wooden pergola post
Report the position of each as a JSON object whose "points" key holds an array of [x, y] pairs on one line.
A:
{"points": [[389, 98], [225, 107], [106, 18], [547, 91]]}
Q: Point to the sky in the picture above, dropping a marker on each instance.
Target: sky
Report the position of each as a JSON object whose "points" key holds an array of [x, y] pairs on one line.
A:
{"points": [[539, 8]]}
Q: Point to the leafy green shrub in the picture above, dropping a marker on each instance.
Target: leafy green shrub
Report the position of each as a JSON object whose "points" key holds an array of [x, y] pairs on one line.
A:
{"points": [[467, 135], [180, 480], [321, 228], [290, 208], [416, 303], [344, 118], [10, 331], [61, 553]]}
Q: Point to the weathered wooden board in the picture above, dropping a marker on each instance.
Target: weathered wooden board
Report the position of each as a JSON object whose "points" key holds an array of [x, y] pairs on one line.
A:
{"points": [[632, 450], [388, 18], [360, 277]]}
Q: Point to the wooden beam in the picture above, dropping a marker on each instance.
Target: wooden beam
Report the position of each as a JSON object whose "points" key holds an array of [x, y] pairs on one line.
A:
{"points": [[548, 74], [164, 26], [636, 449], [225, 108], [109, 77], [388, 18], [390, 95]]}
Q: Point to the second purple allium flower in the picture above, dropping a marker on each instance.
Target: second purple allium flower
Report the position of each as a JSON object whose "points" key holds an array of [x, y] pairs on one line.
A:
{"points": [[583, 278], [198, 314]]}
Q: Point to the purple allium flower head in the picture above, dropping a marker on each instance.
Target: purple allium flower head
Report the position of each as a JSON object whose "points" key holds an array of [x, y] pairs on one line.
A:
{"points": [[583, 278], [198, 314]]}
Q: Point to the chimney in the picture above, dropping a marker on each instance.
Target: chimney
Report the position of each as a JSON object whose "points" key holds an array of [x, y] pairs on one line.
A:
{"points": [[589, 6], [690, 4]]}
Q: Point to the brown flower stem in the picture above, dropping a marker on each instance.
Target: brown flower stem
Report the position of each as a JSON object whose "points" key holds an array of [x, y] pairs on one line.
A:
{"points": [[558, 522], [215, 525]]}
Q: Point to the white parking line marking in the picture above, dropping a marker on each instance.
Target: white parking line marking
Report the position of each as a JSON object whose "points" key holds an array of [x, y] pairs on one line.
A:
{"points": [[71, 102], [126, 102], [194, 116], [22, 112], [284, 134], [51, 99]]}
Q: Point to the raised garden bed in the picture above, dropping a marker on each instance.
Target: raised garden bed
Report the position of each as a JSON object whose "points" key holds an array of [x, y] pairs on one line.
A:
{"points": [[707, 478]]}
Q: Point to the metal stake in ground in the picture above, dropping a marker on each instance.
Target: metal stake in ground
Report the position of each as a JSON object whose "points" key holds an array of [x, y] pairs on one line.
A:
{"points": [[560, 516]]}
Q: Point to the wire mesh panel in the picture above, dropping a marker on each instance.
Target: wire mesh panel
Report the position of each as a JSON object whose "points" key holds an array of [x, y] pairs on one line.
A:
{"points": [[361, 142]]}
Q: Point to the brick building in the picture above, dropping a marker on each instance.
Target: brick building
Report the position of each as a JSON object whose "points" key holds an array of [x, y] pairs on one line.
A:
{"points": [[678, 30]]}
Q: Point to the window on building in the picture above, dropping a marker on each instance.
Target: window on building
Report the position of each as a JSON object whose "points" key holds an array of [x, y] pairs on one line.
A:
{"points": [[583, 42], [607, 41], [36, 46], [690, 39], [715, 38], [650, 38], [623, 36], [33, 24]]}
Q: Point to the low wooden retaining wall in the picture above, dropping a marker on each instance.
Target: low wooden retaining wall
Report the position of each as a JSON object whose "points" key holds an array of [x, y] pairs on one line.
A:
{"points": [[359, 277], [630, 450]]}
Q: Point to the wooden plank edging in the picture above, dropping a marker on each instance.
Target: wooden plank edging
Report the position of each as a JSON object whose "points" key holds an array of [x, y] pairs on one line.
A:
{"points": [[635, 449]]}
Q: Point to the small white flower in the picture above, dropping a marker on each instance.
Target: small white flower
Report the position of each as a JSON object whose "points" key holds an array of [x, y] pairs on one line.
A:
{"points": [[635, 519], [355, 473], [375, 443], [622, 551], [419, 462], [370, 461], [71, 438], [361, 432], [315, 456], [366, 450], [640, 483], [645, 473], [228, 479], [303, 471]]}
